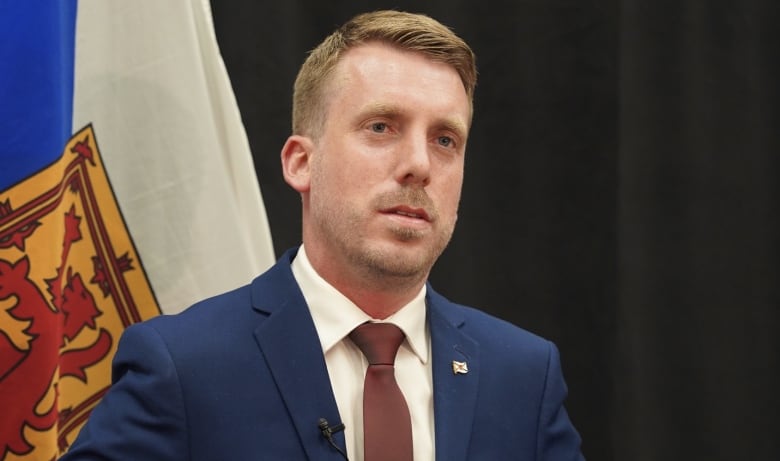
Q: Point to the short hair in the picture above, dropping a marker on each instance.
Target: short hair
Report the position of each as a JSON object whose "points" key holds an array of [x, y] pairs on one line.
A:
{"points": [[406, 31]]}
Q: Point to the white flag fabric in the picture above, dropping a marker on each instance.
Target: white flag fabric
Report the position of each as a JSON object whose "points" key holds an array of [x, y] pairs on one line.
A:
{"points": [[151, 81]]}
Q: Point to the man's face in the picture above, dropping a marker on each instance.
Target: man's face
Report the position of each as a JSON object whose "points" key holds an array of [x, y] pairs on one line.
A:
{"points": [[387, 168]]}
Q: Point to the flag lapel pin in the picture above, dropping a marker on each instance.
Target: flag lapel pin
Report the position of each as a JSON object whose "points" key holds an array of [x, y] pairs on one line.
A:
{"points": [[460, 368]]}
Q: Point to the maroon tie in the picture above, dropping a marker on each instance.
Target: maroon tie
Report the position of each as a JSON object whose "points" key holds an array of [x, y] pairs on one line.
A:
{"points": [[387, 427]]}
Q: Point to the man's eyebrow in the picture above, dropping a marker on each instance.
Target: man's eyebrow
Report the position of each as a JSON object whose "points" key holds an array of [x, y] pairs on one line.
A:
{"points": [[455, 126], [380, 109]]}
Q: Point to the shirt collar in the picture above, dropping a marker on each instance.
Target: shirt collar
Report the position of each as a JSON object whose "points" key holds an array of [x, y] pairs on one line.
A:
{"points": [[335, 316]]}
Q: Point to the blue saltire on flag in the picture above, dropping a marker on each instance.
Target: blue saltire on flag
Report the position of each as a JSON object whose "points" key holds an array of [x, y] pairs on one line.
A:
{"points": [[36, 84]]}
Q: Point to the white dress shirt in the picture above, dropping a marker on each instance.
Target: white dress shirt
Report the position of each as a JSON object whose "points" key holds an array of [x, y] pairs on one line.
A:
{"points": [[335, 317]]}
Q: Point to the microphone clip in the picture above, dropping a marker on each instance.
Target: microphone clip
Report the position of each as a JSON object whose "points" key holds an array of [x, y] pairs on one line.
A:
{"points": [[327, 431]]}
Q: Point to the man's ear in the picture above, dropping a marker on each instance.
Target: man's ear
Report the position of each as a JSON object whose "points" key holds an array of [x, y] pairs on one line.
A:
{"points": [[296, 162]]}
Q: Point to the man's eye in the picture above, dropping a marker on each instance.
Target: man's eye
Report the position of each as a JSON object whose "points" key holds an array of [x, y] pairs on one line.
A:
{"points": [[446, 141], [379, 127]]}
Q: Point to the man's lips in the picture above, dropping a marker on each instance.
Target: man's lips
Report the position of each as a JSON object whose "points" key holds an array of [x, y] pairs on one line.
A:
{"points": [[415, 213]]}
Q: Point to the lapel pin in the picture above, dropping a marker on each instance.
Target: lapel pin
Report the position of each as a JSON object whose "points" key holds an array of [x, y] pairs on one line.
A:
{"points": [[459, 368]]}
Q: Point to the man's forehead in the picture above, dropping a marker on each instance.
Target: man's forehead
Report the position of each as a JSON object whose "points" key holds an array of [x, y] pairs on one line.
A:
{"points": [[347, 75]]}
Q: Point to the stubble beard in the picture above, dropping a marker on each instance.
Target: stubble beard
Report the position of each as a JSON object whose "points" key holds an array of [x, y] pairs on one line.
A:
{"points": [[386, 263], [382, 263]]}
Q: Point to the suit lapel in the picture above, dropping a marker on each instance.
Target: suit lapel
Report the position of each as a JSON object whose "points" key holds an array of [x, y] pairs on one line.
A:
{"points": [[288, 340], [454, 393]]}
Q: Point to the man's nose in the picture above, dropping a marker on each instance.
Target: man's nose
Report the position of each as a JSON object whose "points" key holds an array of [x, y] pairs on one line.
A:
{"points": [[414, 161]]}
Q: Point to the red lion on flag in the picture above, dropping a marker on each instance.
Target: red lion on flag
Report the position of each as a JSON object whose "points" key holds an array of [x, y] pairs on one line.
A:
{"points": [[27, 376]]}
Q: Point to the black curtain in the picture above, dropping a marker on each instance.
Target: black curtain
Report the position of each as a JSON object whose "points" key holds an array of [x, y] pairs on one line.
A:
{"points": [[621, 199]]}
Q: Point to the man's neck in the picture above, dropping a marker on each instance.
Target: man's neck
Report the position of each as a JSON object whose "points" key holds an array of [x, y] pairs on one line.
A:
{"points": [[378, 295]]}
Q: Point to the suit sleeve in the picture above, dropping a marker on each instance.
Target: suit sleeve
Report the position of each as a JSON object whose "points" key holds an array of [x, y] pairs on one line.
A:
{"points": [[142, 416], [558, 439]]}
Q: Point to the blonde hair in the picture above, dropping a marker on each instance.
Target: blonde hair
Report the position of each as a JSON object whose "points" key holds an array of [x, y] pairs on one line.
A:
{"points": [[407, 31]]}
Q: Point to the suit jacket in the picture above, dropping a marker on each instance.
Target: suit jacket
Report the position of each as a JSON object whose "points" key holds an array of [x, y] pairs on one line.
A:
{"points": [[242, 376]]}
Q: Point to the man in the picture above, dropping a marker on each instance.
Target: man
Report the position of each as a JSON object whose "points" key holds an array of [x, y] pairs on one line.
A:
{"points": [[381, 115]]}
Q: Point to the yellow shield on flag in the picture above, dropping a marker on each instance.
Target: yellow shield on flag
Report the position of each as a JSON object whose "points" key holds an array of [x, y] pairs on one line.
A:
{"points": [[70, 282]]}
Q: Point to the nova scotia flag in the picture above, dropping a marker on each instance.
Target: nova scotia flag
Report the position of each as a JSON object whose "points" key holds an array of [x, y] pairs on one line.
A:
{"points": [[127, 190]]}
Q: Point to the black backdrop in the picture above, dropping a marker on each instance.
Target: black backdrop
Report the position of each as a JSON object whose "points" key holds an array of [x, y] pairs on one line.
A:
{"points": [[621, 199]]}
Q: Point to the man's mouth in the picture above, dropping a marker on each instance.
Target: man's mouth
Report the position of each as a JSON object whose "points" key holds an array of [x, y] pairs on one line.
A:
{"points": [[416, 213]]}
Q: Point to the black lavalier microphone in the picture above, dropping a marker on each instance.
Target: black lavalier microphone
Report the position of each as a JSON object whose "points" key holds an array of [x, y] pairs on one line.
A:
{"points": [[327, 431]]}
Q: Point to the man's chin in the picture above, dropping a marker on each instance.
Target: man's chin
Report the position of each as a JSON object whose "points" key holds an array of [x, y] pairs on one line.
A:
{"points": [[399, 259]]}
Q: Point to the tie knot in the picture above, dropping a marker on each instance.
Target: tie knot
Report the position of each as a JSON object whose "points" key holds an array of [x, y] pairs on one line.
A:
{"points": [[379, 342]]}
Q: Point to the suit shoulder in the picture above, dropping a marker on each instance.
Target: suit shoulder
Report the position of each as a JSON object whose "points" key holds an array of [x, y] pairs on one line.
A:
{"points": [[480, 321], [202, 333], [510, 352], [490, 331], [223, 308]]}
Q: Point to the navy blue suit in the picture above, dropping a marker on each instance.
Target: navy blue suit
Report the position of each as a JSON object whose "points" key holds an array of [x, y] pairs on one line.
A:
{"points": [[241, 376]]}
